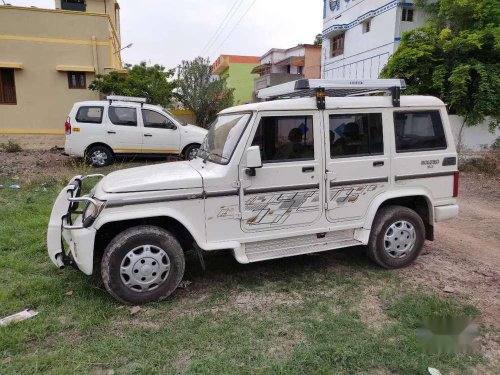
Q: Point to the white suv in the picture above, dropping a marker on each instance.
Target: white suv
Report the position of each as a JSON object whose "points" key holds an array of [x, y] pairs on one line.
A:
{"points": [[271, 180], [99, 130]]}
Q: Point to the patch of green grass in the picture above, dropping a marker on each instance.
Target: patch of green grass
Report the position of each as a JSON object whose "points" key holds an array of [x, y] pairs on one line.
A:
{"points": [[291, 316]]}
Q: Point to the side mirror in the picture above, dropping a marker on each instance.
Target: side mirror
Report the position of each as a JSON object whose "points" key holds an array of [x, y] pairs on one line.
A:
{"points": [[253, 160]]}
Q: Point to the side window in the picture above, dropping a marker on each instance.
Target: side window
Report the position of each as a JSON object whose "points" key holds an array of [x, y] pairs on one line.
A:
{"points": [[91, 115], [156, 120], [356, 135], [123, 116], [285, 138], [419, 131]]}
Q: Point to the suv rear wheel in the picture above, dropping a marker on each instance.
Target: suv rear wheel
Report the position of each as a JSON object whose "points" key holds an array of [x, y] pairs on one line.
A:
{"points": [[397, 237], [100, 156], [142, 264]]}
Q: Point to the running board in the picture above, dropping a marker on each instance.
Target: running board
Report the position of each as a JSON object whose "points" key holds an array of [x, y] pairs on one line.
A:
{"points": [[286, 247]]}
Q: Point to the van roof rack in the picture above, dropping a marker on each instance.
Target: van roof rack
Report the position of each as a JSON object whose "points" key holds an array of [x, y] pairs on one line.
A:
{"points": [[131, 99], [334, 88]]}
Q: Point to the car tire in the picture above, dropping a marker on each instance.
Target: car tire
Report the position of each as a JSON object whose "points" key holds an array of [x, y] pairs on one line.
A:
{"points": [[189, 151], [99, 156], [397, 237], [142, 264]]}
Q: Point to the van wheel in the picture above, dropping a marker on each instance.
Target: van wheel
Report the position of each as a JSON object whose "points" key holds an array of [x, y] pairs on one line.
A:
{"points": [[397, 237], [100, 156], [142, 264], [190, 151]]}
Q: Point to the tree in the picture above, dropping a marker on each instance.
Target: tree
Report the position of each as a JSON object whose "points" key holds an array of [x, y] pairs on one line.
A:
{"points": [[318, 40], [200, 92], [151, 82], [455, 56]]}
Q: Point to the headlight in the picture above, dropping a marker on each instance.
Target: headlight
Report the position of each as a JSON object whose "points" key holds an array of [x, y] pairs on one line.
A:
{"points": [[92, 211]]}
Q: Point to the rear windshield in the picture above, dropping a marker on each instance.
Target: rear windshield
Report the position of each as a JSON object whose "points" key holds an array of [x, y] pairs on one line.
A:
{"points": [[419, 131]]}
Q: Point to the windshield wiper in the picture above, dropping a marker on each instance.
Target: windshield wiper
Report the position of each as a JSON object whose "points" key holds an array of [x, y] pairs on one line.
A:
{"points": [[208, 154]]}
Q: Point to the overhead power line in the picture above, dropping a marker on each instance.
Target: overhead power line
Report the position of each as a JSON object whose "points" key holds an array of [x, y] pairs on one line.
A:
{"points": [[236, 5], [235, 26]]}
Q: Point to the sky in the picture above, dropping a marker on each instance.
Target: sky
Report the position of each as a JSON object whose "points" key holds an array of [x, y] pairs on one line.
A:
{"points": [[168, 31]]}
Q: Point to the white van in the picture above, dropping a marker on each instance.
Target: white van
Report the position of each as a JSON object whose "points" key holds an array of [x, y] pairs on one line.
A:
{"points": [[271, 180], [100, 130]]}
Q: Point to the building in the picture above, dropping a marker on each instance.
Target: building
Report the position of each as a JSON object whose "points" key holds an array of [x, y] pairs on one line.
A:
{"points": [[285, 65], [48, 57], [359, 36], [238, 72]]}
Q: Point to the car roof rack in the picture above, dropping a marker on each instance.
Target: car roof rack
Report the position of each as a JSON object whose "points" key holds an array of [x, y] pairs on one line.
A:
{"points": [[334, 88], [130, 99]]}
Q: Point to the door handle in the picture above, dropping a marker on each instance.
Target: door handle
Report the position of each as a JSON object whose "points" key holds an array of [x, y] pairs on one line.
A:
{"points": [[148, 135], [378, 163], [307, 169], [111, 132]]}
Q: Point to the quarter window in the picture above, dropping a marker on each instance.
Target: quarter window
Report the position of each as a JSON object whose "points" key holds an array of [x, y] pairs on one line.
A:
{"points": [[419, 131], [7, 87], [156, 120], [123, 116], [356, 135], [77, 80], [285, 138], [91, 115]]}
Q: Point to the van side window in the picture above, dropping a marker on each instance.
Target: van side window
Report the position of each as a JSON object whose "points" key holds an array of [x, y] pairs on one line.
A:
{"points": [[92, 115], [156, 120], [123, 116], [358, 134], [285, 138], [419, 131]]}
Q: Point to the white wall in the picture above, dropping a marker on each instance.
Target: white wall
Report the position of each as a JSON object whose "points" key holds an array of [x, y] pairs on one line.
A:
{"points": [[474, 138]]}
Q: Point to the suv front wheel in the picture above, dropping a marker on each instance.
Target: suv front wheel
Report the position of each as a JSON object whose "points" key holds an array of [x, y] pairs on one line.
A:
{"points": [[142, 264], [397, 237]]}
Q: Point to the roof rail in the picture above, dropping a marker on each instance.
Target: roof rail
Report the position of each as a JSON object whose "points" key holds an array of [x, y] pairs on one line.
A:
{"points": [[334, 88], [131, 99]]}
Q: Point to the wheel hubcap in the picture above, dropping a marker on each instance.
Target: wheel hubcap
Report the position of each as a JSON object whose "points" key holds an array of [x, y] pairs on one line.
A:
{"points": [[99, 158], [145, 268], [192, 153], [399, 239]]}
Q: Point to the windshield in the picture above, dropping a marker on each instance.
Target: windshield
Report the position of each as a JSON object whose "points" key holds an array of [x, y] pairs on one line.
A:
{"points": [[222, 137], [182, 122]]}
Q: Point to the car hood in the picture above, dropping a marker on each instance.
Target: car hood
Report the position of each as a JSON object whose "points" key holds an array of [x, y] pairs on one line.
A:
{"points": [[193, 129], [166, 176]]}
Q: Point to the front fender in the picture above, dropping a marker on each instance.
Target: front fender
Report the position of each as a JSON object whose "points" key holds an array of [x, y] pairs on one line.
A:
{"points": [[192, 224], [400, 193]]}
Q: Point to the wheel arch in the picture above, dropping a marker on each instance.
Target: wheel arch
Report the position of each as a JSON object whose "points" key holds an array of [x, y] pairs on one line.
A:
{"points": [[107, 231], [419, 201], [94, 144]]}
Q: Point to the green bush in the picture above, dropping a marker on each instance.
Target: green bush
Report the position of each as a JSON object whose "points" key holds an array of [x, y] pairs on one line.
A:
{"points": [[11, 146]]}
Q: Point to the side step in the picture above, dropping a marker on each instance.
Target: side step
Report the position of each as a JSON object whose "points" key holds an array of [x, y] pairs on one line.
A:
{"points": [[311, 243]]}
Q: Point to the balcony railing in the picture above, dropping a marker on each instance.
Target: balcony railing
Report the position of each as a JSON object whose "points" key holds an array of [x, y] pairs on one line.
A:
{"points": [[273, 79]]}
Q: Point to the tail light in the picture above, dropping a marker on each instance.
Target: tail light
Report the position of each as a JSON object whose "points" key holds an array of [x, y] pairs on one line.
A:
{"points": [[455, 184], [67, 126]]}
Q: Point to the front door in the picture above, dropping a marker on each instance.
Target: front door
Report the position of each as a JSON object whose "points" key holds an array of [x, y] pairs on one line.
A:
{"points": [[160, 134], [357, 162], [122, 130], [286, 191]]}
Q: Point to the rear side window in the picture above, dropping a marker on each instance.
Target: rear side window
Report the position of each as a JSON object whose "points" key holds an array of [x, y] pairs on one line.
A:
{"points": [[419, 131], [358, 134], [91, 115], [285, 138], [123, 116]]}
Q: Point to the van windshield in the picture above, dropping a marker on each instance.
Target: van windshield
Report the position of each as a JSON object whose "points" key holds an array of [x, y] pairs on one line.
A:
{"points": [[223, 136]]}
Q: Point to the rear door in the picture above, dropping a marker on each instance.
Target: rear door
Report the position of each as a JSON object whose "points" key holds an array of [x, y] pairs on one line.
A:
{"points": [[160, 134], [357, 161], [123, 133], [286, 190]]}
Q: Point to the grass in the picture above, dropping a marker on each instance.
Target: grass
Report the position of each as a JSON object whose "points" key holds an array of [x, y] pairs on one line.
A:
{"points": [[316, 314]]}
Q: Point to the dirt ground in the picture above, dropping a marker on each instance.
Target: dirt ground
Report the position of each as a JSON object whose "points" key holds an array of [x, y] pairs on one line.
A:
{"points": [[463, 261]]}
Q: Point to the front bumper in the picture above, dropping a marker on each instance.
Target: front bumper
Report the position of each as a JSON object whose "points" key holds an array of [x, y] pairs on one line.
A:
{"points": [[79, 238]]}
